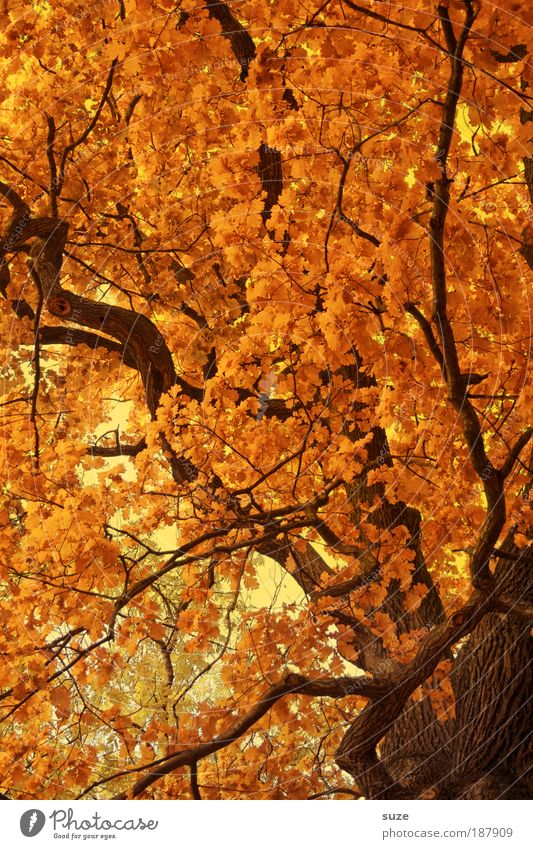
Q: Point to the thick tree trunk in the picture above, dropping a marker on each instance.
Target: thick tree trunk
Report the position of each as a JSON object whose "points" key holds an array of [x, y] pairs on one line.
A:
{"points": [[487, 752], [493, 682]]}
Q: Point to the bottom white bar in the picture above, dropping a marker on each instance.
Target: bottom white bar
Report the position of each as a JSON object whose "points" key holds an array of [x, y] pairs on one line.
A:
{"points": [[264, 825]]}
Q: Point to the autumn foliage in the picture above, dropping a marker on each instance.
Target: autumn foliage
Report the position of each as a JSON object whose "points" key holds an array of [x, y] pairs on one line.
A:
{"points": [[266, 399]]}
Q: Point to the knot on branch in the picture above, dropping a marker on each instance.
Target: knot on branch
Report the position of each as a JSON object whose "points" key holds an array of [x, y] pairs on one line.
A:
{"points": [[60, 307]]}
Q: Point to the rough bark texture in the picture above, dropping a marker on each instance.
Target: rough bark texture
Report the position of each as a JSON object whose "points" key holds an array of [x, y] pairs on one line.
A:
{"points": [[493, 682], [240, 39]]}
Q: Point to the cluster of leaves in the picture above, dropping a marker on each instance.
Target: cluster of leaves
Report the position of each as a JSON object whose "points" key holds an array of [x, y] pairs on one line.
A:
{"points": [[265, 192]]}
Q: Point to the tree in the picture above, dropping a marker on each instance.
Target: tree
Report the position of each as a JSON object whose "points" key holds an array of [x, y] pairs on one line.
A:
{"points": [[266, 321]]}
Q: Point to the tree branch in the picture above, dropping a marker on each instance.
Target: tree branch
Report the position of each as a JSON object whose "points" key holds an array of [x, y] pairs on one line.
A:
{"points": [[36, 366], [447, 356], [356, 753], [292, 684], [390, 21], [50, 153], [88, 130], [514, 453], [427, 330], [240, 39]]}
